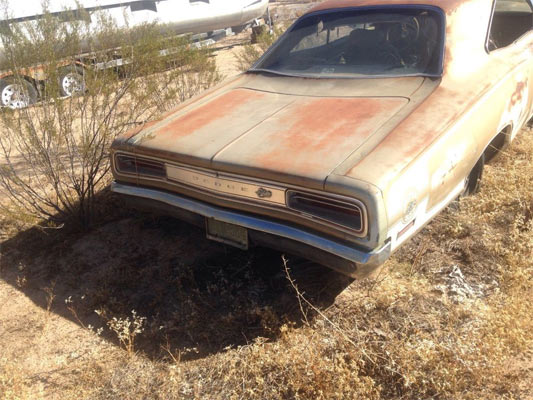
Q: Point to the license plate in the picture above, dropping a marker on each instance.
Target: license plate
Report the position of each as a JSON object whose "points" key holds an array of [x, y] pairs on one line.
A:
{"points": [[233, 235]]}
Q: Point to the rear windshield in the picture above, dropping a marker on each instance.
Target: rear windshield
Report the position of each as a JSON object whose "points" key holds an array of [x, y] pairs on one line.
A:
{"points": [[371, 42]]}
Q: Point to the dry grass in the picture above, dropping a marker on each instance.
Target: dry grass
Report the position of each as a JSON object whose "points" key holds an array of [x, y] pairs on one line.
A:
{"points": [[222, 324], [215, 323]]}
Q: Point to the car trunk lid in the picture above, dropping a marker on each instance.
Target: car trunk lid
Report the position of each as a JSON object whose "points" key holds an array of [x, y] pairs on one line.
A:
{"points": [[298, 137]]}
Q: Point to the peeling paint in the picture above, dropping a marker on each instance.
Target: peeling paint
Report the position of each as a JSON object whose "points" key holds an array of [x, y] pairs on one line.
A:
{"points": [[223, 106], [318, 133]]}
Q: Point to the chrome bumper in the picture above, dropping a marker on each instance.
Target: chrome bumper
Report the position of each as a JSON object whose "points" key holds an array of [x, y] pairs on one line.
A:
{"points": [[365, 262]]}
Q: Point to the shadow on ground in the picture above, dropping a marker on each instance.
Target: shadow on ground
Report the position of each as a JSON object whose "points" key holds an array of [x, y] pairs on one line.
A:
{"points": [[198, 297]]}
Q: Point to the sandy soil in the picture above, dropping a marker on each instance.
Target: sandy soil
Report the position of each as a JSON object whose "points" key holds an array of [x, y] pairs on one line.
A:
{"points": [[40, 346], [44, 344], [48, 346]]}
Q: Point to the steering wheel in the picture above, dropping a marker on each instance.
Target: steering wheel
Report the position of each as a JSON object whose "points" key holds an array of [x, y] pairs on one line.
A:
{"points": [[338, 57], [402, 35]]}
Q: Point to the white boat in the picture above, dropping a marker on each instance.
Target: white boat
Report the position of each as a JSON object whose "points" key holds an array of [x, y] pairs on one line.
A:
{"points": [[211, 17], [184, 16]]}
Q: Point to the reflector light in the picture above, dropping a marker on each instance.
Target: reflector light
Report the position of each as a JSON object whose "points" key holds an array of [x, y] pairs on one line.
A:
{"points": [[333, 210], [139, 166]]}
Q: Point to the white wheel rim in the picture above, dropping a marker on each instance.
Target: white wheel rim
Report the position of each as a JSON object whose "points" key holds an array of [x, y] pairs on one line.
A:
{"points": [[14, 96], [72, 84]]}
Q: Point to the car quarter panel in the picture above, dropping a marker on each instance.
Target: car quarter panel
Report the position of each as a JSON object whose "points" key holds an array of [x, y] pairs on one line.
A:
{"points": [[423, 162], [519, 103]]}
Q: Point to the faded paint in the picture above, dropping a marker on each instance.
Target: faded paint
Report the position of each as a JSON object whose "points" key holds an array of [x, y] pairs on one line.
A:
{"points": [[180, 108], [311, 136], [304, 132], [447, 5], [198, 136], [224, 106], [258, 130], [138, 129]]}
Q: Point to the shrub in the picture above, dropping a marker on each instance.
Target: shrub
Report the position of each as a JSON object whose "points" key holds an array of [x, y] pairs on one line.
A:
{"points": [[54, 154], [251, 52]]}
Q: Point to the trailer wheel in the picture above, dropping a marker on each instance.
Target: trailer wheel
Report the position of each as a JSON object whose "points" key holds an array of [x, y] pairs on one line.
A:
{"points": [[17, 93], [71, 81]]}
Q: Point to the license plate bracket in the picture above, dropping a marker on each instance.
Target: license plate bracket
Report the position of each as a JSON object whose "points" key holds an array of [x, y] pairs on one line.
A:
{"points": [[227, 233]]}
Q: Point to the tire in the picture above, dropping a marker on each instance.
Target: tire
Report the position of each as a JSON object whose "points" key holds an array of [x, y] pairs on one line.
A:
{"points": [[72, 81], [17, 93], [473, 181]]}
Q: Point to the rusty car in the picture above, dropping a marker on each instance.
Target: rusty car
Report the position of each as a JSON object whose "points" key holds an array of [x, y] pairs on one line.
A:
{"points": [[364, 120]]}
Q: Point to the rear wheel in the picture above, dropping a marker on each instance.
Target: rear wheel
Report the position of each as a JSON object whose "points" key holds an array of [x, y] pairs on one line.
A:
{"points": [[17, 93]]}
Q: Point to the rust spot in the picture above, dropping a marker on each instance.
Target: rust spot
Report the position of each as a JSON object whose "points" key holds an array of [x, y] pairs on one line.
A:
{"points": [[134, 131], [323, 129], [210, 112], [518, 95]]}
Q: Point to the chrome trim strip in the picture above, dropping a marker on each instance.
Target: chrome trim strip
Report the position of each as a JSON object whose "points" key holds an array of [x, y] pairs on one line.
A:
{"points": [[247, 200], [368, 259], [217, 183]]}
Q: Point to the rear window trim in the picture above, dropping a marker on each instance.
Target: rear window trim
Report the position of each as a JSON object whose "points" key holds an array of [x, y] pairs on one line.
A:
{"points": [[439, 11]]}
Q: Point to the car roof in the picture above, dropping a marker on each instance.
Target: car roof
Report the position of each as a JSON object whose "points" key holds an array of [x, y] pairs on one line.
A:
{"points": [[447, 5]]}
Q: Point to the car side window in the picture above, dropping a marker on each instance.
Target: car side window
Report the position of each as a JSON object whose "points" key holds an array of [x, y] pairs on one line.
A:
{"points": [[510, 20]]}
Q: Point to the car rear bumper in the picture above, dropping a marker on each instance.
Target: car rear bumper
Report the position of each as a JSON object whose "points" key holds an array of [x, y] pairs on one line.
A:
{"points": [[344, 258]]}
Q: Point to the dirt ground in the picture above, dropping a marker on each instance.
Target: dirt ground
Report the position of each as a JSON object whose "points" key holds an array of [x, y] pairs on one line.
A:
{"points": [[201, 299], [47, 344]]}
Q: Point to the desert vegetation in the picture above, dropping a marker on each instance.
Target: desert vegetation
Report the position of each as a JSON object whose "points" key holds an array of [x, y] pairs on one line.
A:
{"points": [[55, 153], [137, 306], [163, 313], [250, 52]]}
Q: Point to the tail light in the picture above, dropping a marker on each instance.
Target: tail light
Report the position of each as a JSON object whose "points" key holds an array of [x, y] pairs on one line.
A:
{"points": [[139, 166], [339, 212]]}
